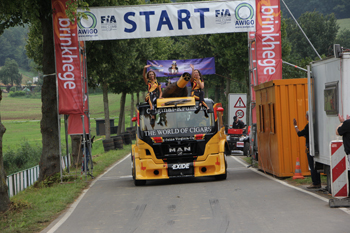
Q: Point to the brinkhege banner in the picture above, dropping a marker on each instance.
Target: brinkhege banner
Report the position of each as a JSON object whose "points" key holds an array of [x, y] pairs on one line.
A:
{"points": [[169, 68], [268, 40], [163, 20], [67, 61]]}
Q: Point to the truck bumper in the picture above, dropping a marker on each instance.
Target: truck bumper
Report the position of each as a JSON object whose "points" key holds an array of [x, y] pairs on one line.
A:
{"points": [[146, 169]]}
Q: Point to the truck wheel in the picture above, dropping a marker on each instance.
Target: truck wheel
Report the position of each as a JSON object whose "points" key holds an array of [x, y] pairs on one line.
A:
{"points": [[246, 148], [139, 182]]}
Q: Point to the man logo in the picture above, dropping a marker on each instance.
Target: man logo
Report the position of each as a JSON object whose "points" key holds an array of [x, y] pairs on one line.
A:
{"points": [[244, 11], [180, 150]]}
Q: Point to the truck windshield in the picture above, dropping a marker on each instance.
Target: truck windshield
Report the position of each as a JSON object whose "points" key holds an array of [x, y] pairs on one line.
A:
{"points": [[181, 120]]}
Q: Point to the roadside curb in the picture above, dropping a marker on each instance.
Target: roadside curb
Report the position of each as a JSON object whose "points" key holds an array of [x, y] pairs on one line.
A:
{"points": [[346, 210]]}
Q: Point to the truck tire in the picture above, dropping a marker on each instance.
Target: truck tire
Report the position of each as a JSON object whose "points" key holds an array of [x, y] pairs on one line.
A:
{"points": [[139, 182], [246, 148]]}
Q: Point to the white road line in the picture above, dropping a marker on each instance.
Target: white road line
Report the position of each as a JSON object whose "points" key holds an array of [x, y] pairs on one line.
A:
{"points": [[346, 210], [74, 205]]}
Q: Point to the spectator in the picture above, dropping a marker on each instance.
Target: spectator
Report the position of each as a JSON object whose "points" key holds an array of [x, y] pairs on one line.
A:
{"points": [[315, 176], [237, 124]]}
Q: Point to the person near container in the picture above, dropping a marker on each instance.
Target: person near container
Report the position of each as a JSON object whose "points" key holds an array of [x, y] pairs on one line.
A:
{"points": [[154, 90], [315, 176]]}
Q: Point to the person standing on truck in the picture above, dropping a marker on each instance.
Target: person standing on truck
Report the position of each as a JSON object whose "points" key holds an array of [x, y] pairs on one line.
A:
{"points": [[237, 124], [315, 176], [197, 92], [154, 90]]}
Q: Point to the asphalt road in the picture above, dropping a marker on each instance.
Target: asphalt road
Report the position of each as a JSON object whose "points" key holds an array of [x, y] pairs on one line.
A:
{"points": [[248, 201]]}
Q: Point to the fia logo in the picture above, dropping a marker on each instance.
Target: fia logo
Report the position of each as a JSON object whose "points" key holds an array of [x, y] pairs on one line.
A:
{"points": [[222, 16], [108, 23], [108, 19]]}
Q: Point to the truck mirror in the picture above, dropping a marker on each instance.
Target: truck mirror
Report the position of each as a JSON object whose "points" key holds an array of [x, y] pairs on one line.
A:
{"points": [[220, 109]]}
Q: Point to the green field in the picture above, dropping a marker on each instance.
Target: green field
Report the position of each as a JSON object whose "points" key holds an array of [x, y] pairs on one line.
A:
{"points": [[344, 23], [21, 117]]}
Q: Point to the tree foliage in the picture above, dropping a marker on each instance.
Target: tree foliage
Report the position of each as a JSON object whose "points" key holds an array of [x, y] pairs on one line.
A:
{"points": [[9, 73], [340, 8], [12, 45], [321, 31], [343, 38]]}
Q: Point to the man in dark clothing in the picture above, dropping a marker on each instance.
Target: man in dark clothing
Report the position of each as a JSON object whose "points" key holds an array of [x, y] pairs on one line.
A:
{"points": [[344, 130], [237, 124], [315, 176]]}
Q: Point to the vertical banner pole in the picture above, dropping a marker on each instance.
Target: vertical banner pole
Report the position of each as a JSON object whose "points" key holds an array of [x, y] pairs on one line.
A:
{"points": [[66, 134]]}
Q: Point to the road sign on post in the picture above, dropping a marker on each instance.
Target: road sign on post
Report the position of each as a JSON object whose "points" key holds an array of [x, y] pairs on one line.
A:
{"points": [[237, 103]]}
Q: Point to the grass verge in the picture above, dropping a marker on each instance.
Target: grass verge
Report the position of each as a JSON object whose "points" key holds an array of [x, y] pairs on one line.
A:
{"points": [[33, 209], [297, 182]]}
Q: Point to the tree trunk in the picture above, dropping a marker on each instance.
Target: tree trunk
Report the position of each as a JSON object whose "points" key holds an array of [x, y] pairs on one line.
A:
{"points": [[138, 97], [143, 96], [216, 95], [4, 197], [49, 162], [132, 108], [123, 124], [121, 113], [106, 110]]}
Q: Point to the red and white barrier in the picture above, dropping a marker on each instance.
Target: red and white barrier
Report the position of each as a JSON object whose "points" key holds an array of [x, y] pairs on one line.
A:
{"points": [[339, 169]]}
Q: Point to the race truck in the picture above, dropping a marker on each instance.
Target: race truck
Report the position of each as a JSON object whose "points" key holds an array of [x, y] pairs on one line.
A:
{"points": [[238, 139], [179, 143]]}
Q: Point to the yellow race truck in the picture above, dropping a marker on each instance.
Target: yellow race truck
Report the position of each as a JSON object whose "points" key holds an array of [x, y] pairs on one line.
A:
{"points": [[180, 143]]}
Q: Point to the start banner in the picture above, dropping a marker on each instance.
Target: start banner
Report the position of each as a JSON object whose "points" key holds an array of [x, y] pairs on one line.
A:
{"points": [[163, 20], [169, 68], [70, 94]]}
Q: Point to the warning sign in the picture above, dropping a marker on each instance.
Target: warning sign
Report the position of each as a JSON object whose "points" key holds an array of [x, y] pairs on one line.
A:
{"points": [[239, 113], [237, 106], [239, 103]]}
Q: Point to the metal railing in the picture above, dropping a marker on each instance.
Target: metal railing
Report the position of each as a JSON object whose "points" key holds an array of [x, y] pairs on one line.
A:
{"points": [[19, 181]]}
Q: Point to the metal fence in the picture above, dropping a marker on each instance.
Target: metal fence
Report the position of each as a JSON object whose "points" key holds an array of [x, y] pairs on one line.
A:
{"points": [[19, 181]]}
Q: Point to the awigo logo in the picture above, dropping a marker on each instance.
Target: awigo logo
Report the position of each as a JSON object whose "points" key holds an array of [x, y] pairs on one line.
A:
{"points": [[245, 15], [87, 26]]}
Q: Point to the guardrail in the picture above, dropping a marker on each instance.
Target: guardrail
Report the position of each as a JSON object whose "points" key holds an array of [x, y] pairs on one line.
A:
{"points": [[19, 181]]}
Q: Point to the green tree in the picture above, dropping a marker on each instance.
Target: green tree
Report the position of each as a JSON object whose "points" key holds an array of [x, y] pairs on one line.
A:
{"points": [[321, 31], [343, 38], [14, 13], [9, 73]]}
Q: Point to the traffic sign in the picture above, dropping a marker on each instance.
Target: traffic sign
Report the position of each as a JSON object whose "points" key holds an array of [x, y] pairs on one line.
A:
{"points": [[240, 103]]}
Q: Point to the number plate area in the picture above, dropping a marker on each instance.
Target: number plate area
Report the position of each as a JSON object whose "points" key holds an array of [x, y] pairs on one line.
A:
{"points": [[240, 144], [180, 170]]}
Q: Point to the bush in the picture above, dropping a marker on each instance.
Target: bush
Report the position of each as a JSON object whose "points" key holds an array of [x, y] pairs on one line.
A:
{"points": [[13, 89], [25, 157], [17, 93]]}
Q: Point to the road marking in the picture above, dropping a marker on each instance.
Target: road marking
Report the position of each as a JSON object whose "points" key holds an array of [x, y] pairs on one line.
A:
{"points": [[75, 204], [288, 185]]}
